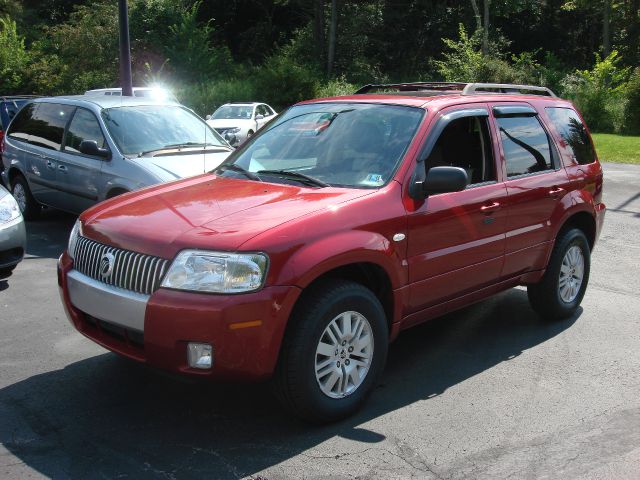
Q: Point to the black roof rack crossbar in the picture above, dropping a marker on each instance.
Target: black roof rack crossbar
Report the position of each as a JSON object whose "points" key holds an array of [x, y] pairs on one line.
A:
{"points": [[413, 86]]}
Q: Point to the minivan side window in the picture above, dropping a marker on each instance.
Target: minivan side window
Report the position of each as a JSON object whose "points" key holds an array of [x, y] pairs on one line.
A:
{"points": [[47, 125], [84, 126], [465, 143], [20, 126], [573, 133], [525, 144]]}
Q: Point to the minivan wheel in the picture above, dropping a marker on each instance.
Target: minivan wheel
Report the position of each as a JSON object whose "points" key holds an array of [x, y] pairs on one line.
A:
{"points": [[563, 285], [29, 207], [334, 351]]}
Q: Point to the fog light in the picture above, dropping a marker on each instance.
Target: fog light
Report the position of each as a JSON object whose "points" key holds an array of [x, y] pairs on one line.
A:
{"points": [[200, 355]]}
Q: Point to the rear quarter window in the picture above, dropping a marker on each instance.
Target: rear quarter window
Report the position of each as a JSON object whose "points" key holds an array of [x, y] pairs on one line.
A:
{"points": [[525, 144], [20, 126], [573, 133]]}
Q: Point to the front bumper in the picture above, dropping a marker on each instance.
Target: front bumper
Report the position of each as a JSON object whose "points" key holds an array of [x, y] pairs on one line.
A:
{"points": [[13, 243], [245, 330]]}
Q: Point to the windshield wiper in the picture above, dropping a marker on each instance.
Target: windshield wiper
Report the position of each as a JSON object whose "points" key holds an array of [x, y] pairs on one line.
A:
{"points": [[193, 144], [295, 176], [239, 169], [173, 146]]}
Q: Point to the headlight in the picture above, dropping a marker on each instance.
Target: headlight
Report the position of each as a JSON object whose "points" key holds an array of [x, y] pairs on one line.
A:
{"points": [[9, 209], [217, 272], [73, 238], [233, 130]]}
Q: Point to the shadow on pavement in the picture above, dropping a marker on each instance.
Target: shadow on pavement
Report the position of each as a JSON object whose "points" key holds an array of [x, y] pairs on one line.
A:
{"points": [[48, 235], [106, 417]]}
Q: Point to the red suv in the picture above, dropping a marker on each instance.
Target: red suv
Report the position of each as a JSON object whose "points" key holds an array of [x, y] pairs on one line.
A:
{"points": [[341, 223]]}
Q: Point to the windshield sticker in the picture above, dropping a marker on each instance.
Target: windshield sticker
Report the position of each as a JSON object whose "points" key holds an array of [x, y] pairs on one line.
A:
{"points": [[373, 179]]}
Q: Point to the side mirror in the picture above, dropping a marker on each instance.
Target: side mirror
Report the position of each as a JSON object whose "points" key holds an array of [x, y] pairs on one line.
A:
{"points": [[437, 180], [90, 147], [208, 117], [259, 116]]}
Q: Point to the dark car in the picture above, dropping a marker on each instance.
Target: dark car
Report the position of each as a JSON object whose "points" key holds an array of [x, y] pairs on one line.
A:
{"points": [[339, 224]]}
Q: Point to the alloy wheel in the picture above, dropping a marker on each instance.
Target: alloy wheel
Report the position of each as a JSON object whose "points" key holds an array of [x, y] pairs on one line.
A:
{"points": [[344, 354], [571, 274], [21, 196]]}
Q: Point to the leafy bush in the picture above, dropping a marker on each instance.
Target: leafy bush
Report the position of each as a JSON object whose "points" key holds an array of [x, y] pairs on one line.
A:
{"points": [[283, 81], [632, 105], [599, 93], [205, 97], [464, 62], [13, 57], [333, 88]]}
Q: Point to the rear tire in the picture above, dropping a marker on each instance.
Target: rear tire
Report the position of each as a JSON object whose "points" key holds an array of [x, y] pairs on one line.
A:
{"points": [[559, 293], [29, 206], [333, 352]]}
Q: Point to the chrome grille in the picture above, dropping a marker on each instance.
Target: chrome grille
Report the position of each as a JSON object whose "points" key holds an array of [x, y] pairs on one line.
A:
{"points": [[132, 271]]}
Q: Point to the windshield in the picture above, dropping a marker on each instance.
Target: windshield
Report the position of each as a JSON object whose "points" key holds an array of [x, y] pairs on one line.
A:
{"points": [[242, 112], [147, 128], [339, 144]]}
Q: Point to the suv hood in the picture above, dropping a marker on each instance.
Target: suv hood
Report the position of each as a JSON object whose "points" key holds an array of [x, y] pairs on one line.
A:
{"points": [[181, 165], [206, 212]]}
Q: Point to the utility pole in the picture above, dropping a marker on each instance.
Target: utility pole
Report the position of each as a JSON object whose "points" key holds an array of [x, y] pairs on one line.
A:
{"points": [[125, 50]]}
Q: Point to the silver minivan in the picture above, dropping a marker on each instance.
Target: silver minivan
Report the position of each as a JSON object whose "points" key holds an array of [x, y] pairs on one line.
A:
{"points": [[72, 152]]}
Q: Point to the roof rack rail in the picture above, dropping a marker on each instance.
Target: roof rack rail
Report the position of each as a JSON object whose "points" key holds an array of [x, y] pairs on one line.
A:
{"points": [[413, 86], [473, 88], [5, 98], [463, 87]]}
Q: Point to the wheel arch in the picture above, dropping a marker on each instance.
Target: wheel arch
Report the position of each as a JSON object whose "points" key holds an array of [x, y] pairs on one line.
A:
{"points": [[13, 173], [368, 274], [584, 221]]}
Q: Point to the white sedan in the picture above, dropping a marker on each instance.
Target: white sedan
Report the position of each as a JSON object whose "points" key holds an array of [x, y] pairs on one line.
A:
{"points": [[238, 121]]}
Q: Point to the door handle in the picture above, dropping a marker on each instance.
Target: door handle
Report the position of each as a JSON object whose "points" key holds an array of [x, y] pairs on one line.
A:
{"points": [[51, 165], [556, 192], [490, 208], [62, 168]]}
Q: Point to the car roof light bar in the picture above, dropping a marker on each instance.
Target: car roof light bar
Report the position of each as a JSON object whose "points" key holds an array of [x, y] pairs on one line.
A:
{"points": [[463, 88], [478, 88]]}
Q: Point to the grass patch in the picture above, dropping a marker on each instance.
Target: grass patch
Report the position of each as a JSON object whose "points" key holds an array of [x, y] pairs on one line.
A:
{"points": [[617, 148]]}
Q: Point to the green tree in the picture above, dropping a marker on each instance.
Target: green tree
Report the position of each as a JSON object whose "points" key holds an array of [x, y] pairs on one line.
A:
{"points": [[13, 57], [79, 54], [190, 52]]}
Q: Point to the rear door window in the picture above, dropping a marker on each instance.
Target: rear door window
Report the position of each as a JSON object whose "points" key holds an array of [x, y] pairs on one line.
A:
{"points": [[525, 145], [574, 134], [84, 126], [47, 125]]}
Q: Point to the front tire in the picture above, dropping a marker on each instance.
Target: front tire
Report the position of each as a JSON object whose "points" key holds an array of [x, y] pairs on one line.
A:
{"points": [[559, 293], [29, 206], [7, 271], [333, 352]]}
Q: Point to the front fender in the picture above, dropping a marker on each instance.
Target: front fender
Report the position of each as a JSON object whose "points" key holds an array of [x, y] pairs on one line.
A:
{"points": [[344, 248]]}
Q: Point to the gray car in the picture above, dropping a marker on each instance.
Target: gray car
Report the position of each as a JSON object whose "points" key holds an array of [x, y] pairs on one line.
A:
{"points": [[13, 237], [72, 152]]}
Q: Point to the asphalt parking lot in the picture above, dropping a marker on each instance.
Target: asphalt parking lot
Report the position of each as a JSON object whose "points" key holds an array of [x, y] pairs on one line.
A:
{"points": [[488, 392]]}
